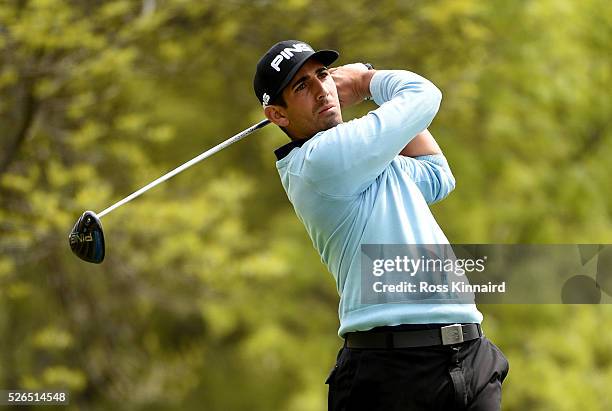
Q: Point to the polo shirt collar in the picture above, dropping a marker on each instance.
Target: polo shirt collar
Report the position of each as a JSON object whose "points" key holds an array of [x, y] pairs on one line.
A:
{"points": [[283, 151]]}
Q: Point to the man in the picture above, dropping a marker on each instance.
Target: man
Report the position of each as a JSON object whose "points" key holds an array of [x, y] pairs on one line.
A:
{"points": [[369, 181]]}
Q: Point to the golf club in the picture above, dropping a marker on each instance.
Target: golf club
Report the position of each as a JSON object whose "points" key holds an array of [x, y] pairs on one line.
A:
{"points": [[87, 238]]}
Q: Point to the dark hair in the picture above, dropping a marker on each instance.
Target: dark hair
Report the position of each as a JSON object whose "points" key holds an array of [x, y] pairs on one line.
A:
{"points": [[280, 101]]}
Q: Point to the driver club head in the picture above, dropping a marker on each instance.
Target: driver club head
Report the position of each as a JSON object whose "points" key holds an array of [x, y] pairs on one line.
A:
{"points": [[87, 238]]}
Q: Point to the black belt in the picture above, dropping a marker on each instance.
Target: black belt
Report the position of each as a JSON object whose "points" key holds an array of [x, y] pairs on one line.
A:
{"points": [[444, 335]]}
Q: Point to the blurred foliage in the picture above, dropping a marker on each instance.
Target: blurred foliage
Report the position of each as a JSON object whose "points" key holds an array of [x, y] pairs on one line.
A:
{"points": [[211, 296]]}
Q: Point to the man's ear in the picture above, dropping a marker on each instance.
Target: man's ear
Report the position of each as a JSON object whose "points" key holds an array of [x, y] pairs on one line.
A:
{"points": [[277, 115]]}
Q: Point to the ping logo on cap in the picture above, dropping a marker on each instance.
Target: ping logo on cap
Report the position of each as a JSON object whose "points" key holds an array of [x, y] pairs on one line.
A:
{"points": [[287, 54]]}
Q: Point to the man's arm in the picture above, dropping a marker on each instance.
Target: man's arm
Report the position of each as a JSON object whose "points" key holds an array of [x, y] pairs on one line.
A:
{"points": [[422, 144], [345, 159], [424, 162], [429, 169], [431, 174]]}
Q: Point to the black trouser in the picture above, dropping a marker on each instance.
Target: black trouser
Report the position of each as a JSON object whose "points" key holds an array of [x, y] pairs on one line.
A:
{"points": [[467, 376]]}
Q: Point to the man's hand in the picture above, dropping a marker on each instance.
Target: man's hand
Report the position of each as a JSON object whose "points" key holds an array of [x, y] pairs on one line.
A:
{"points": [[352, 82]]}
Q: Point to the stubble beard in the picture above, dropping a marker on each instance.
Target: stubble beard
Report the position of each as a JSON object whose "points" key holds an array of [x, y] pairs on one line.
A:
{"points": [[331, 123]]}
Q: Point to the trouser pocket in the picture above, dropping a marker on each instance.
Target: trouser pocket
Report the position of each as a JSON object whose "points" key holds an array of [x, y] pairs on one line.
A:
{"points": [[484, 368], [332, 373], [458, 378], [331, 382], [341, 380]]}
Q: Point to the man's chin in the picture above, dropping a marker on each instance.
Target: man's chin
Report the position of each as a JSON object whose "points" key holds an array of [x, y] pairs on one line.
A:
{"points": [[331, 123], [326, 125]]}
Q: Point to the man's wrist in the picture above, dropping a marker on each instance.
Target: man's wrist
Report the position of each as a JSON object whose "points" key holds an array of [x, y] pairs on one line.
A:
{"points": [[366, 78]]}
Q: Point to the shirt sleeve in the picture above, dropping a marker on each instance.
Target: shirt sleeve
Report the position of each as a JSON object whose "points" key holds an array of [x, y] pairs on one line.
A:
{"points": [[346, 159], [431, 174]]}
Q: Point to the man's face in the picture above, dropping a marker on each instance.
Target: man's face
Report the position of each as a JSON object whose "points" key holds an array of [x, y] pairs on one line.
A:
{"points": [[312, 101]]}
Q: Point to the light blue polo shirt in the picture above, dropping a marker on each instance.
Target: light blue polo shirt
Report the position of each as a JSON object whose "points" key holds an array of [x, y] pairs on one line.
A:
{"points": [[349, 186]]}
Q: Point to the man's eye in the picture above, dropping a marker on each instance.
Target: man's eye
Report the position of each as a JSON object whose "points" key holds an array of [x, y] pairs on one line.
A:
{"points": [[324, 74], [301, 86]]}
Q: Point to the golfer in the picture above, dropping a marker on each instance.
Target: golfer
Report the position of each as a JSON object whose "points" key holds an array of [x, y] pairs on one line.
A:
{"points": [[370, 181]]}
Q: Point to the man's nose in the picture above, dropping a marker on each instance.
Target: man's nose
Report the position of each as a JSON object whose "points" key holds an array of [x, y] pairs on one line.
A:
{"points": [[321, 90]]}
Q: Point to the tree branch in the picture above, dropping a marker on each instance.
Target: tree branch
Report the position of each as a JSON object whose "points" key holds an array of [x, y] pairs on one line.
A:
{"points": [[27, 111]]}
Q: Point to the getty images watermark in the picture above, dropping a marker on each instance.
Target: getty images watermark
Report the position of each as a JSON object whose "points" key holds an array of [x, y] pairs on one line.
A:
{"points": [[486, 273], [429, 269]]}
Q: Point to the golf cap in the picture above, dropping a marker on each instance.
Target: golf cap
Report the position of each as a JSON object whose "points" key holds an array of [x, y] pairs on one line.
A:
{"points": [[278, 66]]}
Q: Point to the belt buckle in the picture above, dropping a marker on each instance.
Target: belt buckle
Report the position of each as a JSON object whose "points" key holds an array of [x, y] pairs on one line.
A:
{"points": [[452, 334]]}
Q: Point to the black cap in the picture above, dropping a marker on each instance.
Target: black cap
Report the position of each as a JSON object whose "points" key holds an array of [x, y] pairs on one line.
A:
{"points": [[278, 66]]}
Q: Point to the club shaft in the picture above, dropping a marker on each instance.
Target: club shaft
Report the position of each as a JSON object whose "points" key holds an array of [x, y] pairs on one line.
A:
{"points": [[185, 166]]}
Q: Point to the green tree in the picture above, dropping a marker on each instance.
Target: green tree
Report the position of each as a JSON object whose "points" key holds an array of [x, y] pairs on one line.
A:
{"points": [[211, 296]]}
